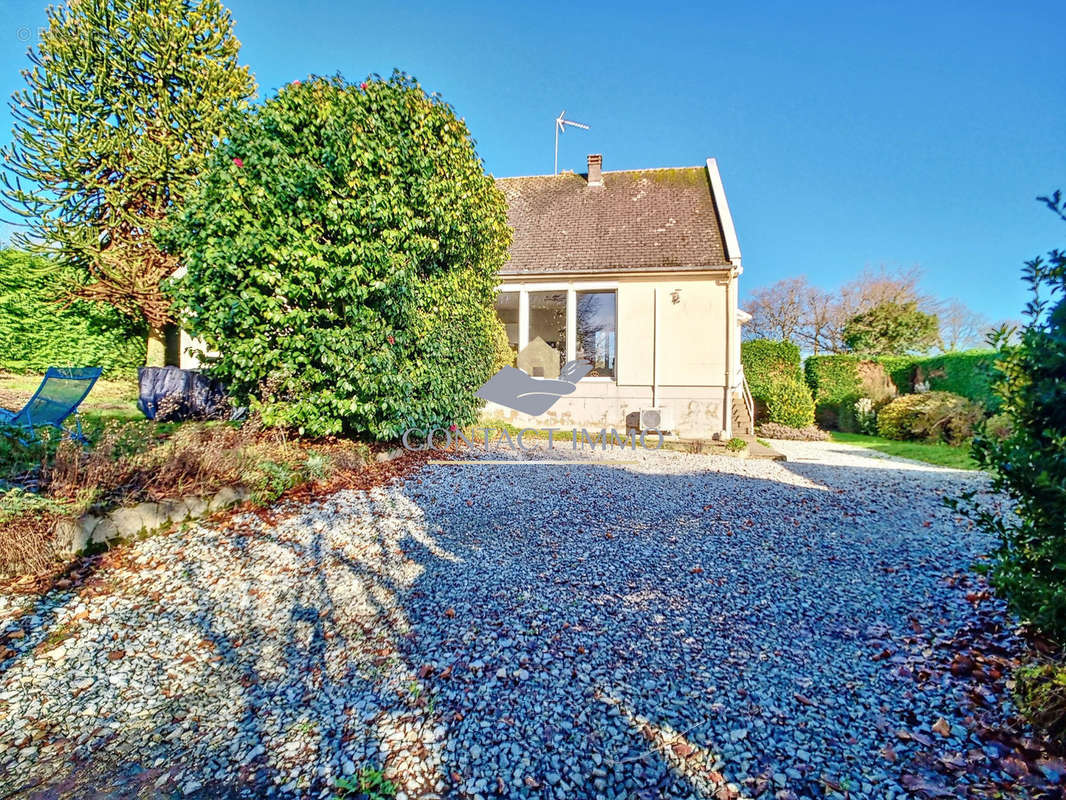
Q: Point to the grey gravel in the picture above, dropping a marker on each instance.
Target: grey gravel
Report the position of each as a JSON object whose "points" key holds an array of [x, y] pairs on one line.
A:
{"points": [[679, 626]]}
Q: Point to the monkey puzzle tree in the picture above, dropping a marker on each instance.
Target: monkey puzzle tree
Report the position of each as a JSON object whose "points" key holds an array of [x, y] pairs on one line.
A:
{"points": [[123, 101]]}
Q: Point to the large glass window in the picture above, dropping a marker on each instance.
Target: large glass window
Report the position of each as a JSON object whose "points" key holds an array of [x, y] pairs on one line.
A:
{"points": [[596, 331], [545, 354], [507, 311], [546, 336]]}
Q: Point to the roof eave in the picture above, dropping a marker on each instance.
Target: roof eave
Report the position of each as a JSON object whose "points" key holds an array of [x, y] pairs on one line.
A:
{"points": [[725, 218]]}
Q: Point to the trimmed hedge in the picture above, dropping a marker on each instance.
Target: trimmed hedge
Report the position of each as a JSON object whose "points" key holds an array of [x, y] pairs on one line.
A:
{"points": [[772, 369], [969, 373], [834, 380], [765, 359], [38, 331], [836, 384]]}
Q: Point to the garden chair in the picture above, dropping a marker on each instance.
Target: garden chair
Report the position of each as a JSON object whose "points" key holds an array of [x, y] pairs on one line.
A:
{"points": [[58, 396]]}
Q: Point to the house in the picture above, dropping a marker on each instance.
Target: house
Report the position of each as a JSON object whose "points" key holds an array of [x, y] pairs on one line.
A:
{"points": [[636, 271]]}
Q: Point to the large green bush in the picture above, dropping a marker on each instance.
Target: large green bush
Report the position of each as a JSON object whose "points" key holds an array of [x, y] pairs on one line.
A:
{"points": [[772, 369], [342, 256], [929, 416], [764, 359], [1029, 463], [37, 330]]}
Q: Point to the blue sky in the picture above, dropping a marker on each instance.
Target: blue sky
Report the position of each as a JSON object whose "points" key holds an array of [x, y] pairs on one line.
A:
{"points": [[848, 134]]}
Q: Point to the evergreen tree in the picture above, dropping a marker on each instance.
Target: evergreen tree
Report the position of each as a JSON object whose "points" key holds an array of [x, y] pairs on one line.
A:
{"points": [[123, 101], [892, 329]]}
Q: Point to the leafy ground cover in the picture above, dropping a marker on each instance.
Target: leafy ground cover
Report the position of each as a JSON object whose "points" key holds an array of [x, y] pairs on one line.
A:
{"points": [[943, 455], [130, 459]]}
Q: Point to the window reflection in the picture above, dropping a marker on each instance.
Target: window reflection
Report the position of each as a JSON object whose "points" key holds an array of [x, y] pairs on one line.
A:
{"points": [[545, 354], [596, 331]]}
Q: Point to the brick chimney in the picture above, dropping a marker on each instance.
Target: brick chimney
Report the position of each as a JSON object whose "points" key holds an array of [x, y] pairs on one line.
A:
{"points": [[595, 165]]}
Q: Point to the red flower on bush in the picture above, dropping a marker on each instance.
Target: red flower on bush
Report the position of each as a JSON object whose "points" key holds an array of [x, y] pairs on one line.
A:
{"points": [[453, 427], [391, 340], [238, 162], [363, 86], [295, 83]]}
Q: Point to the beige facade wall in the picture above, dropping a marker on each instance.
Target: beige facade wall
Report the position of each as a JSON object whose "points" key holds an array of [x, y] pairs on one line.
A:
{"points": [[690, 354]]}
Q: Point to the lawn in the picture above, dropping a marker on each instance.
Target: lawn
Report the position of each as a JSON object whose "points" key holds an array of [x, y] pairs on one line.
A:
{"points": [[109, 398], [943, 455]]}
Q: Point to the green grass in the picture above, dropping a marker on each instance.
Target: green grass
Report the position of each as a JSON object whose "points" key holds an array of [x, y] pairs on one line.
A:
{"points": [[943, 455]]}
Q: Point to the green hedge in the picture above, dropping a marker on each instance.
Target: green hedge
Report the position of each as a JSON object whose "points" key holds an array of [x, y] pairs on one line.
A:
{"points": [[37, 331], [835, 382], [765, 359], [772, 369], [968, 373], [833, 379]]}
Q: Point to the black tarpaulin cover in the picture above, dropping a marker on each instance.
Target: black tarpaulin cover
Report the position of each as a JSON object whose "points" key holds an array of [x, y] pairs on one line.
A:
{"points": [[170, 394]]}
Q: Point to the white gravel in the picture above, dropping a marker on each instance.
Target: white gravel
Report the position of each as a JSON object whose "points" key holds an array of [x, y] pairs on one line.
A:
{"points": [[680, 626]]}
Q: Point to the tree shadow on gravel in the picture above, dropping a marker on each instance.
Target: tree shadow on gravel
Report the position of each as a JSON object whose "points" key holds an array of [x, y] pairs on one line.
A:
{"points": [[697, 634], [532, 631], [285, 638]]}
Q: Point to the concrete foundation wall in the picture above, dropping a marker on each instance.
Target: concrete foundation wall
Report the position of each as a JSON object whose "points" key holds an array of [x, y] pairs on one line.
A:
{"points": [[595, 405]]}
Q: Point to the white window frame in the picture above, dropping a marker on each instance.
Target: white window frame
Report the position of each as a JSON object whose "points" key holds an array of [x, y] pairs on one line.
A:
{"points": [[571, 288]]}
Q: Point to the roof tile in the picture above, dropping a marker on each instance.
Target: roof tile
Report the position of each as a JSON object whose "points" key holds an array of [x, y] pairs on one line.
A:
{"points": [[658, 219]]}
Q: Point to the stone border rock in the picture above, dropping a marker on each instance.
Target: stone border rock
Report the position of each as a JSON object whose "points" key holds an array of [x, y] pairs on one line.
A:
{"points": [[73, 537]]}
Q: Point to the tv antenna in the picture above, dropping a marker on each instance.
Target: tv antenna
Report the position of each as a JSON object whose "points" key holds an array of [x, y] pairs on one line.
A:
{"points": [[560, 127]]}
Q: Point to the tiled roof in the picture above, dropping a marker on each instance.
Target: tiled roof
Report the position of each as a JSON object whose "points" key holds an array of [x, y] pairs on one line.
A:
{"points": [[656, 219]]}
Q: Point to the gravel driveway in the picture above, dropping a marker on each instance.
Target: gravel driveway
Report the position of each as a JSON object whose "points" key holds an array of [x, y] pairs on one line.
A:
{"points": [[679, 626]]}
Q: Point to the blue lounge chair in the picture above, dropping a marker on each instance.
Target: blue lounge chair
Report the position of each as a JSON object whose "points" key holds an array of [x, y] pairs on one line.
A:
{"points": [[58, 396]]}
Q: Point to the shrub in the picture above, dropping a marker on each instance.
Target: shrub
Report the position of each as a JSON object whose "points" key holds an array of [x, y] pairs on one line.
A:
{"points": [[765, 359], [931, 416], [998, 427], [736, 444], [343, 248], [772, 369], [866, 416], [788, 402], [773, 430], [503, 355], [38, 331], [1029, 465], [1040, 691]]}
